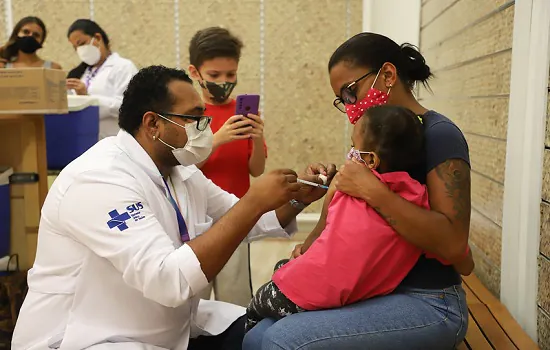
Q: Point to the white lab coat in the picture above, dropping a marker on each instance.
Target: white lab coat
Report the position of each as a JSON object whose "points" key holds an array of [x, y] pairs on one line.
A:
{"points": [[110, 266], [108, 86]]}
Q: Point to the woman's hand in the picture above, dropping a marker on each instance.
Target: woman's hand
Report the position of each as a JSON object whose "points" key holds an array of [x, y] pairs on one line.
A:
{"points": [[235, 128], [356, 180], [77, 85]]}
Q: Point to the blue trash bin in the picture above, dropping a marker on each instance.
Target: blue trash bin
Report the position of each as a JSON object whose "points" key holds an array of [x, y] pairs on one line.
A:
{"points": [[70, 135], [5, 210]]}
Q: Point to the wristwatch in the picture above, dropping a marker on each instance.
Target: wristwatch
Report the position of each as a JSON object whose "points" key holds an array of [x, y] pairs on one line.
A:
{"points": [[297, 205]]}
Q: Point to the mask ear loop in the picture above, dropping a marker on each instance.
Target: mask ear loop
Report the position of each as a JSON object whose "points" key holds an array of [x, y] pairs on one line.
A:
{"points": [[173, 122], [373, 163], [375, 160], [376, 78], [202, 82]]}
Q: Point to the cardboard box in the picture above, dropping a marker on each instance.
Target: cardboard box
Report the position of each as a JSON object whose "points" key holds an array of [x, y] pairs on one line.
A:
{"points": [[33, 91]]}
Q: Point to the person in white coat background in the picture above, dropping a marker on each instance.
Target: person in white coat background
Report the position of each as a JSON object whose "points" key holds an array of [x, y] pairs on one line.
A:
{"points": [[102, 74], [132, 231]]}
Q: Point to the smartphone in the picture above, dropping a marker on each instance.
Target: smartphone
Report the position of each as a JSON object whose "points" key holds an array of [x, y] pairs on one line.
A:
{"points": [[247, 104]]}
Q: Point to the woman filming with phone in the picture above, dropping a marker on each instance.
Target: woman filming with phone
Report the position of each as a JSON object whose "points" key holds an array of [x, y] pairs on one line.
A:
{"points": [[238, 146]]}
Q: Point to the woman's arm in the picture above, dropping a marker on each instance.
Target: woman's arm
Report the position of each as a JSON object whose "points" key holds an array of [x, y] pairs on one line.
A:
{"points": [[256, 162], [443, 230], [466, 266]]}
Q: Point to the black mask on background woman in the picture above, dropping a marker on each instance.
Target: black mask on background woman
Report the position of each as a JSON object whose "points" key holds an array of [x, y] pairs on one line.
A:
{"points": [[28, 44]]}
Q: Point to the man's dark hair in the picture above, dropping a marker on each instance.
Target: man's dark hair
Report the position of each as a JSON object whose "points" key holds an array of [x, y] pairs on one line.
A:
{"points": [[397, 134], [213, 42], [148, 91]]}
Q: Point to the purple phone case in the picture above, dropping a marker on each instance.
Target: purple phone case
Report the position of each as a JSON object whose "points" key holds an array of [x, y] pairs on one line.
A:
{"points": [[247, 104]]}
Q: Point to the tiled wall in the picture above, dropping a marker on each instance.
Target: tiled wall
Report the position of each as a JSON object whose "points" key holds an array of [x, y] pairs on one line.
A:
{"points": [[297, 38], [467, 43], [544, 257]]}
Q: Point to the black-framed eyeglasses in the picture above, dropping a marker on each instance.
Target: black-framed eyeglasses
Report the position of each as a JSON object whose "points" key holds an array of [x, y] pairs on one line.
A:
{"points": [[202, 120], [348, 94]]}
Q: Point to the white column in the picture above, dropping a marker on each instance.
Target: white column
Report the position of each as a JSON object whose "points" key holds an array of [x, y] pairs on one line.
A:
{"points": [[396, 19], [524, 161], [8, 19], [177, 33], [91, 3]]}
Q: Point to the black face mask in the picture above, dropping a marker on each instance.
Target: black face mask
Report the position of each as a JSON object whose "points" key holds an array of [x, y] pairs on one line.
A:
{"points": [[220, 91], [28, 44]]}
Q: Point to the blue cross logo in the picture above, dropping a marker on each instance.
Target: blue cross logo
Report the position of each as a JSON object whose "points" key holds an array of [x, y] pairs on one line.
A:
{"points": [[118, 220]]}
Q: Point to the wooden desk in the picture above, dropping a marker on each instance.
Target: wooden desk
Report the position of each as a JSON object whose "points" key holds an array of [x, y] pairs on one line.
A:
{"points": [[23, 147]]}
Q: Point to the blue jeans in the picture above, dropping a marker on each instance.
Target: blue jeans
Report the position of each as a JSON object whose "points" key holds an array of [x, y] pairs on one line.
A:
{"points": [[406, 319]]}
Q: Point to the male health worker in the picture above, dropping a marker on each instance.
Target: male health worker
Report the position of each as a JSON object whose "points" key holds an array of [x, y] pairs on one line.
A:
{"points": [[128, 237]]}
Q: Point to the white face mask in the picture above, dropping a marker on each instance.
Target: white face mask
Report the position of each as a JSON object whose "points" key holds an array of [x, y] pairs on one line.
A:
{"points": [[89, 53], [198, 146]]}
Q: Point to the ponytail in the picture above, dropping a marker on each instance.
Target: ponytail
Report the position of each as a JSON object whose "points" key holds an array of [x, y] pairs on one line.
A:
{"points": [[372, 50], [414, 65]]}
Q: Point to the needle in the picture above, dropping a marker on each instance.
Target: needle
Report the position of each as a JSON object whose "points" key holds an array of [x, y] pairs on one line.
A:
{"points": [[312, 184]]}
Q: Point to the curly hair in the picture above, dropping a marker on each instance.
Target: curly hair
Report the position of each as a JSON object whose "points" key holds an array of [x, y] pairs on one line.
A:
{"points": [[148, 91]]}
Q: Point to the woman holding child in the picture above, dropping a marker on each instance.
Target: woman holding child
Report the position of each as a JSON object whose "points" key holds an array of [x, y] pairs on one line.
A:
{"points": [[427, 309]]}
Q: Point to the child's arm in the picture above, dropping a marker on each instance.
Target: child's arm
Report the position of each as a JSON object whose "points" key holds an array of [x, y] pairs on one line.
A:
{"points": [[301, 248], [256, 162]]}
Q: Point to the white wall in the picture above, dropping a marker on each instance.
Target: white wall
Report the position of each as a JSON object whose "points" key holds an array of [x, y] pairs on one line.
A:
{"points": [[524, 161], [396, 19]]}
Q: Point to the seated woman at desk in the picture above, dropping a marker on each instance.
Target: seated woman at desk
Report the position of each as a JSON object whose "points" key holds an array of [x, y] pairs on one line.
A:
{"points": [[102, 74], [27, 37]]}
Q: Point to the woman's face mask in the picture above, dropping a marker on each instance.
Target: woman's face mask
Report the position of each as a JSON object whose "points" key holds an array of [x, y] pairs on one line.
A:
{"points": [[28, 44], [198, 146], [89, 54], [374, 97]]}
